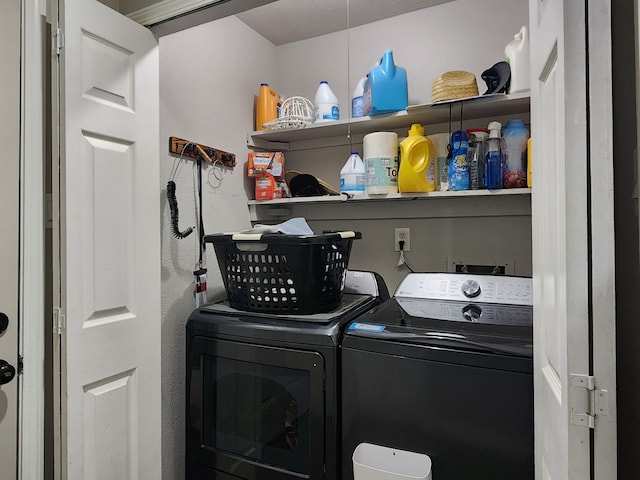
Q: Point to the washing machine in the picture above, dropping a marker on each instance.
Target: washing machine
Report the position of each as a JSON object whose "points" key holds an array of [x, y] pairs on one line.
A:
{"points": [[263, 390], [444, 368]]}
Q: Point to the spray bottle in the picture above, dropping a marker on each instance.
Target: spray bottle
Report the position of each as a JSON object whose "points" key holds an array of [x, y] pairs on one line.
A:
{"points": [[493, 159]]}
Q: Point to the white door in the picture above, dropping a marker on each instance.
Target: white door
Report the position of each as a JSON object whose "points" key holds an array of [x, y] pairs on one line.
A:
{"points": [[109, 245], [572, 242], [9, 253]]}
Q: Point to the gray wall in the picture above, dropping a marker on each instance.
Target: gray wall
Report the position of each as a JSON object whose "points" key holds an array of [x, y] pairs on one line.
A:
{"points": [[209, 76]]}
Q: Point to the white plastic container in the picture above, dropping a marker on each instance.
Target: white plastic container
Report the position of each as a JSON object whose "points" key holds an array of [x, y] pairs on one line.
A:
{"points": [[356, 99], [380, 150], [326, 106], [517, 54], [374, 462], [352, 175]]}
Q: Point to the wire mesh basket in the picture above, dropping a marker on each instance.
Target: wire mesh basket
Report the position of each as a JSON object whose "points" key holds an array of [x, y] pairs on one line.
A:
{"points": [[295, 112], [279, 273]]}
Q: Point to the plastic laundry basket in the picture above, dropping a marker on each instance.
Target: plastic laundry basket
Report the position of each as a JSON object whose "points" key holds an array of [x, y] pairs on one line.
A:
{"points": [[278, 273], [374, 462]]}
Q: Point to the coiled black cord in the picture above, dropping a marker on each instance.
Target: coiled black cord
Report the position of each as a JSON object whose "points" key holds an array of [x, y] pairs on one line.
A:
{"points": [[173, 207]]}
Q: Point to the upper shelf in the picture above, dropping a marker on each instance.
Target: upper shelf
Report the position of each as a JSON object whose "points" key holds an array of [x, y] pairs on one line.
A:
{"points": [[309, 135]]}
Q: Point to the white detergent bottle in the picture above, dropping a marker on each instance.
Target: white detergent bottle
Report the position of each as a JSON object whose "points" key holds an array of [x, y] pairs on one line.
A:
{"points": [[517, 54], [326, 107], [352, 175]]}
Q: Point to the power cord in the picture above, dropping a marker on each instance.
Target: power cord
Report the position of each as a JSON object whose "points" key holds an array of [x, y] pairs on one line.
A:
{"points": [[401, 260]]}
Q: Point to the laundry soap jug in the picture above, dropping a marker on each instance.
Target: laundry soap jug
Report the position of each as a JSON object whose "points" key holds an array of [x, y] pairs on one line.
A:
{"points": [[459, 166], [517, 54], [326, 106], [385, 89], [352, 175], [417, 169], [267, 105], [515, 137]]}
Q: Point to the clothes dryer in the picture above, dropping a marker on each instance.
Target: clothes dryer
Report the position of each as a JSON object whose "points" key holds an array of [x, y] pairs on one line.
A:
{"points": [[263, 390]]}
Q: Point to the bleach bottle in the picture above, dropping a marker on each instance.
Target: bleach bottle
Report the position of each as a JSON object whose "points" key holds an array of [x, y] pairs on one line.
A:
{"points": [[385, 89], [326, 106], [417, 170], [356, 99], [517, 54], [352, 175]]}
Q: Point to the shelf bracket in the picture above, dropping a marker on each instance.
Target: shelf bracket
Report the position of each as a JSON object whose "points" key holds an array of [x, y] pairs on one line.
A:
{"points": [[186, 148]]}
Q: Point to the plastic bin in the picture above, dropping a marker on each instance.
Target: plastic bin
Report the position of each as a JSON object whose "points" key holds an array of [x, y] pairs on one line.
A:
{"points": [[279, 273], [374, 462]]}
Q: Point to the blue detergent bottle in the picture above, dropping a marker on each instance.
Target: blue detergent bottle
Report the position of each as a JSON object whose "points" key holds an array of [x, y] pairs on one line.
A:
{"points": [[385, 89], [459, 166]]}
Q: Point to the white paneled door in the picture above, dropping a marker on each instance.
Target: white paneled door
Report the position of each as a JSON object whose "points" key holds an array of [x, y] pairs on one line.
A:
{"points": [[9, 213], [109, 245], [571, 221]]}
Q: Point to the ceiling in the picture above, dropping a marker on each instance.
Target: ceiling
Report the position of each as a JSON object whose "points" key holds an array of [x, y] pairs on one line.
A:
{"points": [[287, 21]]}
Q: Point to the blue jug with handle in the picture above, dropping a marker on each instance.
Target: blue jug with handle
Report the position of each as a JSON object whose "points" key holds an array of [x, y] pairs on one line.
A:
{"points": [[385, 89]]}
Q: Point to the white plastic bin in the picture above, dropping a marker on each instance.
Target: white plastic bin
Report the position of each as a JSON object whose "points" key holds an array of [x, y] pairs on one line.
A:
{"points": [[375, 462]]}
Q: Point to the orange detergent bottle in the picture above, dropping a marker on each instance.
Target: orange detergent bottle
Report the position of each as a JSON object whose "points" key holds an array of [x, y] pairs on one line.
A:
{"points": [[267, 105]]}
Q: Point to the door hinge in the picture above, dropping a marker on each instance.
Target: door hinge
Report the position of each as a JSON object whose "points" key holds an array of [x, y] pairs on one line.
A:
{"points": [[58, 321], [58, 41], [587, 401], [20, 368]]}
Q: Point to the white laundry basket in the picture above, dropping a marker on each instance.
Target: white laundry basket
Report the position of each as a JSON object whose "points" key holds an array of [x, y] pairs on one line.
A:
{"points": [[375, 462]]}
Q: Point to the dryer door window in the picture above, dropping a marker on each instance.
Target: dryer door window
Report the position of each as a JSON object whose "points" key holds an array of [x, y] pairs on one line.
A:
{"points": [[262, 404]]}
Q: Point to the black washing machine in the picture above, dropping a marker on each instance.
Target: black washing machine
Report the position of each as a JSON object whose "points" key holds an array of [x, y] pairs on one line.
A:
{"points": [[263, 390], [444, 368]]}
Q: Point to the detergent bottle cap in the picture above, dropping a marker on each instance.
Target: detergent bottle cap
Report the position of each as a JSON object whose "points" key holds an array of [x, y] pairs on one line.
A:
{"points": [[494, 129], [416, 129]]}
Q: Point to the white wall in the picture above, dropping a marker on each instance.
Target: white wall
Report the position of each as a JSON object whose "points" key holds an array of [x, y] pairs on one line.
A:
{"points": [[208, 77]]}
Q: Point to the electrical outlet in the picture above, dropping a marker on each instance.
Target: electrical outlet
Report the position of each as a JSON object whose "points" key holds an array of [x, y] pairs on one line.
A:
{"points": [[403, 234]]}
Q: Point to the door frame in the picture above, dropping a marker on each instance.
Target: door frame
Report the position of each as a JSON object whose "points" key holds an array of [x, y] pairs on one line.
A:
{"points": [[32, 222]]}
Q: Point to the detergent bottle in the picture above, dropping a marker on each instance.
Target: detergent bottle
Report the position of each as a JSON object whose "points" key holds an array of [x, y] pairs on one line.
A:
{"points": [[515, 137], [267, 105], [459, 166], [385, 89], [356, 98], [517, 54], [417, 169]]}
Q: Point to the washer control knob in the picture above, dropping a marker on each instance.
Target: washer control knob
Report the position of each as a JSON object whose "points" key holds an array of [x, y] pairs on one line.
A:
{"points": [[472, 313], [4, 323], [7, 372], [471, 288]]}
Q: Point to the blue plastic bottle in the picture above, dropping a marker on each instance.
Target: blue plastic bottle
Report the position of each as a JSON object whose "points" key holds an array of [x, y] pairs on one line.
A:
{"points": [[493, 159], [385, 89], [459, 166]]}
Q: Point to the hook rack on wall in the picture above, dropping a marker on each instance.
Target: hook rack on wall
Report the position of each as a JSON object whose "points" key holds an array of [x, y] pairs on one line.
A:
{"points": [[195, 150]]}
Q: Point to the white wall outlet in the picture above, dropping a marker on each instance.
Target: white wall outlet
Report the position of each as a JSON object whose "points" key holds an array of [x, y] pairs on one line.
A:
{"points": [[403, 234]]}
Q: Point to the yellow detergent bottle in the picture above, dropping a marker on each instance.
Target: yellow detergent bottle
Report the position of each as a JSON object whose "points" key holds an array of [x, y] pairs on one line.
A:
{"points": [[417, 170]]}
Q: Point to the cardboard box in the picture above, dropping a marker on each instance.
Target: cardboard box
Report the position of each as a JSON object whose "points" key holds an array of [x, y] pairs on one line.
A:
{"points": [[262, 163]]}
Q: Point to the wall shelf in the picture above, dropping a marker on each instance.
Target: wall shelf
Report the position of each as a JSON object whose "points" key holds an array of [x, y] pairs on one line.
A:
{"points": [[504, 202], [337, 133]]}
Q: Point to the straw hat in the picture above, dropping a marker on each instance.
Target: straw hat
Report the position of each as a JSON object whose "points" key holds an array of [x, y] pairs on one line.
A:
{"points": [[454, 84]]}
